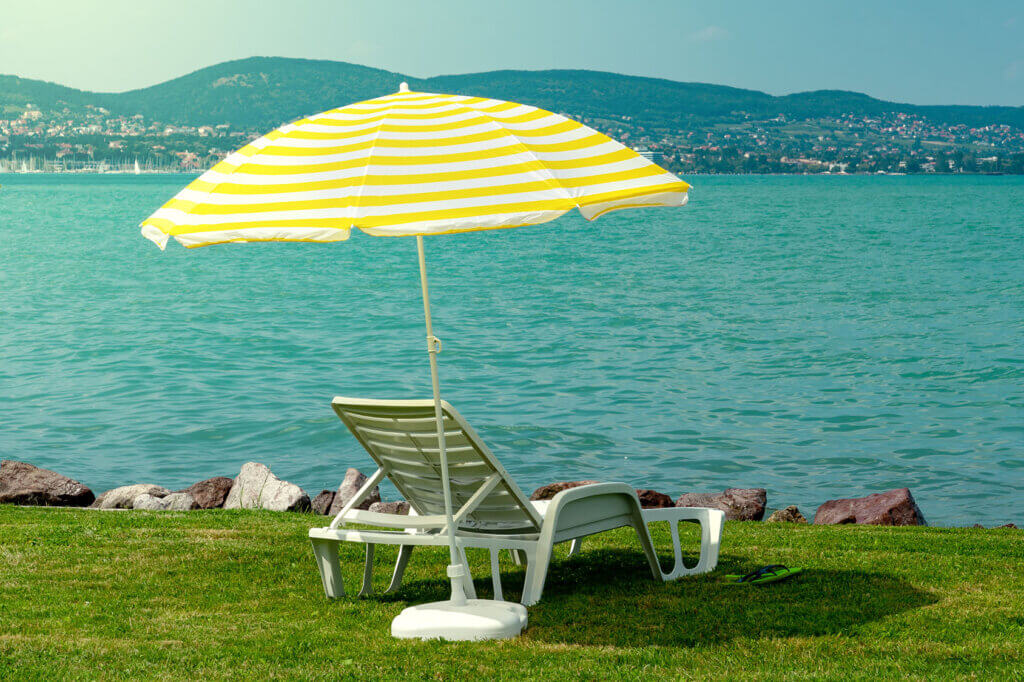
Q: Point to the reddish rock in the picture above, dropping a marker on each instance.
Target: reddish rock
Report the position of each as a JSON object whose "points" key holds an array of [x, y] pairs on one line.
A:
{"points": [[891, 508], [22, 483], [350, 485], [1007, 525], [321, 504], [400, 507], [546, 492], [211, 493], [652, 499], [739, 504]]}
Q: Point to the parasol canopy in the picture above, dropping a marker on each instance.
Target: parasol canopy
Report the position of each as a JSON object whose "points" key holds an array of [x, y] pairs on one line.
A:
{"points": [[411, 163]]}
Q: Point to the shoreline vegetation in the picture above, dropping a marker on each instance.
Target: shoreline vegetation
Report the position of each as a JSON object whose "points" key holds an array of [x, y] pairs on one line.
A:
{"points": [[226, 594]]}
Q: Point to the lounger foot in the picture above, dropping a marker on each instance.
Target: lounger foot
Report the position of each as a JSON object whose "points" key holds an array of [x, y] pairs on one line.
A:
{"points": [[496, 575], [536, 574], [367, 589], [326, 554], [467, 582], [710, 521], [404, 552]]}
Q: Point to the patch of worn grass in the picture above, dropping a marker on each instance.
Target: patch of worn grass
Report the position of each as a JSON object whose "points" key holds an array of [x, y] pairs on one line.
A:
{"points": [[87, 595]]}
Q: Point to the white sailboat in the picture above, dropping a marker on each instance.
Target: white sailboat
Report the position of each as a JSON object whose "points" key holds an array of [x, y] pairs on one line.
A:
{"points": [[138, 171]]}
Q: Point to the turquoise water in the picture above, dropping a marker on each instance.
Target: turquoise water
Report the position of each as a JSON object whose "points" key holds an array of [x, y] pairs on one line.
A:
{"points": [[818, 336]]}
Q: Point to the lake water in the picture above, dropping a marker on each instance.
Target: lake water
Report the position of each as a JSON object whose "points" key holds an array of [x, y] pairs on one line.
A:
{"points": [[818, 336]]}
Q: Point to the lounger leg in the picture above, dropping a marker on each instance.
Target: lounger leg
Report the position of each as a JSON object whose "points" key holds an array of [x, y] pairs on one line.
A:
{"points": [[574, 547], [536, 573], [518, 557], [710, 541], [326, 554], [496, 575], [404, 552], [467, 582], [367, 589], [645, 541]]}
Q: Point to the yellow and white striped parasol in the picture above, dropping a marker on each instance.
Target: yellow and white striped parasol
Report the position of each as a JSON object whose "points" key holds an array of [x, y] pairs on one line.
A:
{"points": [[415, 164], [411, 163]]}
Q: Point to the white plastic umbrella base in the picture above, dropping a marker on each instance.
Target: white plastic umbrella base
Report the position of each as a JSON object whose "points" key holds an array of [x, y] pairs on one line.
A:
{"points": [[476, 619]]}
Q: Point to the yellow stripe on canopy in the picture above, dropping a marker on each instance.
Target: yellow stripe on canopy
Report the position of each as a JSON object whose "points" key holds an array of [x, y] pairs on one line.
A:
{"points": [[411, 163]]}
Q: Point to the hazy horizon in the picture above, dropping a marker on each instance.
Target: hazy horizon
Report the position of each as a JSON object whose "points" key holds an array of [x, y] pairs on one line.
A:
{"points": [[928, 54]]}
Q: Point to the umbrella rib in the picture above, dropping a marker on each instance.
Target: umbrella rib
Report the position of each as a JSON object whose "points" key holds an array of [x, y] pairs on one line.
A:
{"points": [[361, 187], [546, 176]]}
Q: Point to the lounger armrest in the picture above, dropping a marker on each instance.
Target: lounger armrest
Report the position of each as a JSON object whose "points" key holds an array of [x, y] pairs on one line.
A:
{"points": [[678, 513], [579, 491], [580, 511]]}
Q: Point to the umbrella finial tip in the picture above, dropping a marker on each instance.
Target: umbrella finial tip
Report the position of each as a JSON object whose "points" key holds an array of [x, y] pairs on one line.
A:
{"points": [[404, 87]]}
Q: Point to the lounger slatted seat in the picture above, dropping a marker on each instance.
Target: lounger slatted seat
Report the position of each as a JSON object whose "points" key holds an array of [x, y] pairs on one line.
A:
{"points": [[490, 510]]}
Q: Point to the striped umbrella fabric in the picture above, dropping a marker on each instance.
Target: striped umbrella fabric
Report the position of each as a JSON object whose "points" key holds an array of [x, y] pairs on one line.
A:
{"points": [[411, 163]]}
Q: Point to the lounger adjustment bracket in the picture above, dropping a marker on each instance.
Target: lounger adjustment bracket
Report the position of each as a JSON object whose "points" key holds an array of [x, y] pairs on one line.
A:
{"points": [[433, 344]]}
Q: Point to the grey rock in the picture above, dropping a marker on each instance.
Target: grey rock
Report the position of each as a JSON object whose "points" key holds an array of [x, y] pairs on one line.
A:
{"points": [[148, 502], [124, 497], [23, 483], [546, 492], [321, 504], [350, 485], [739, 504], [400, 507], [788, 515], [256, 487], [891, 508], [211, 493], [180, 502], [173, 502]]}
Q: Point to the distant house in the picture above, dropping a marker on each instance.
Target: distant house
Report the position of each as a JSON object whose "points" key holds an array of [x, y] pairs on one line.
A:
{"points": [[652, 156]]}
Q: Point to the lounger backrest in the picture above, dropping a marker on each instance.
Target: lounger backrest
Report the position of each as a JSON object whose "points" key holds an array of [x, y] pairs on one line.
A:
{"points": [[401, 436]]}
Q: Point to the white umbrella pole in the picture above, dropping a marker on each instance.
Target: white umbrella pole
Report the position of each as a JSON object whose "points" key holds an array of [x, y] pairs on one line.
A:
{"points": [[458, 618], [456, 570]]}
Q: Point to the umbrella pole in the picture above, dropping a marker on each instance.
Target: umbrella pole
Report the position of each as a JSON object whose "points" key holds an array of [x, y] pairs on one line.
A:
{"points": [[458, 618], [456, 570]]}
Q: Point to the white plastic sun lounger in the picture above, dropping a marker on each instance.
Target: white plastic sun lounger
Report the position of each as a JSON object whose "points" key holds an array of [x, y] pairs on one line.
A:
{"points": [[492, 512]]}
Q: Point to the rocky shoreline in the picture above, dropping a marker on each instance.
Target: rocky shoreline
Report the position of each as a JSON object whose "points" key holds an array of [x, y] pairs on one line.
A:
{"points": [[256, 487]]}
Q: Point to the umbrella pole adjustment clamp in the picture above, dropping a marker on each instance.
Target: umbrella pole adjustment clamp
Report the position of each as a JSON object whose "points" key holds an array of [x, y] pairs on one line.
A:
{"points": [[433, 344]]}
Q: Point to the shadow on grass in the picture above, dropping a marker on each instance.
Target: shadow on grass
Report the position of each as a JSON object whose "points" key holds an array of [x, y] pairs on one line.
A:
{"points": [[606, 597]]}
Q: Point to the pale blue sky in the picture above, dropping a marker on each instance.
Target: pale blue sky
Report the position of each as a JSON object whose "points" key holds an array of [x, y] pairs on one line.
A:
{"points": [[926, 52]]}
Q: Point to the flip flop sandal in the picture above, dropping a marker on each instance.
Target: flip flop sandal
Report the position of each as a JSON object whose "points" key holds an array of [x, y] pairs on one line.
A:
{"points": [[772, 573]]}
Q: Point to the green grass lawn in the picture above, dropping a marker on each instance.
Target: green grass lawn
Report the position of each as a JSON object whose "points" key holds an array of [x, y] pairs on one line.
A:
{"points": [[199, 595]]}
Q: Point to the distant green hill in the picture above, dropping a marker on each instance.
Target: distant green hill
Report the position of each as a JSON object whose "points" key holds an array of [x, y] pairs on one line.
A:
{"points": [[261, 92], [264, 92], [16, 92]]}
